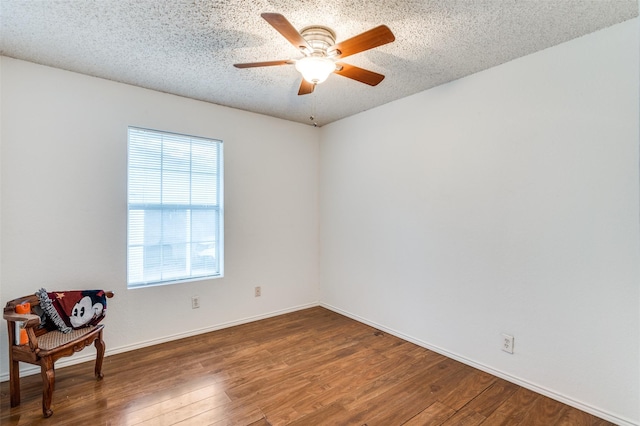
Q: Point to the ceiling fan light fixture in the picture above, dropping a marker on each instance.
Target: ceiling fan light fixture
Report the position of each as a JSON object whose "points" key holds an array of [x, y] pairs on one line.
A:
{"points": [[315, 69]]}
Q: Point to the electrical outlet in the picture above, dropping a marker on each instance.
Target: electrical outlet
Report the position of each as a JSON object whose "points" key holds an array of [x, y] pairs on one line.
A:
{"points": [[507, 343], [258, 291], [195, 302]]}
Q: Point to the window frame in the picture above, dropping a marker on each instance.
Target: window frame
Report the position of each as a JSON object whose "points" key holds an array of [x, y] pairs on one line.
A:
{"points": [[166, 207]]}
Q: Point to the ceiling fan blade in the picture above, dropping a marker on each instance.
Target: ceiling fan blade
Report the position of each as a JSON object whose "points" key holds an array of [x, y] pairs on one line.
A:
{"points": [[367, 40], [359, 74], [262, 64], [287, 30], [306, 87]]}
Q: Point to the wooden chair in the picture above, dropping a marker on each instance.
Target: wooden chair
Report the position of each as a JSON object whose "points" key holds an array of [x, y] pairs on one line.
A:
{"points": [[44, 348]]}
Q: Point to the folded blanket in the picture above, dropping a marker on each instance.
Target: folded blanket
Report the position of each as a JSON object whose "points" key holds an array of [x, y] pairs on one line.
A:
{"points": [[73, 309]]}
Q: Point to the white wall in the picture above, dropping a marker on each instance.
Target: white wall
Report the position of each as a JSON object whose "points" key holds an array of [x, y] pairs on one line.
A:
{"points": [[507, 201], [64, 204]]}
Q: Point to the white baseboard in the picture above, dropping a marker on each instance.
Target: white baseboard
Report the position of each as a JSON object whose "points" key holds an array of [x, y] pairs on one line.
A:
{"points": [[516, 380]]}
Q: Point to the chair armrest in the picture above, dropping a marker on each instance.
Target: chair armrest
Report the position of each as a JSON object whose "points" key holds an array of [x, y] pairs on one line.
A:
{"points": [[29, 320]]}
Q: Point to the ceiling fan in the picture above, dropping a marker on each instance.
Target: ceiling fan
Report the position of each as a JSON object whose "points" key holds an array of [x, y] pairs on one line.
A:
{"points": [[321, 53]]}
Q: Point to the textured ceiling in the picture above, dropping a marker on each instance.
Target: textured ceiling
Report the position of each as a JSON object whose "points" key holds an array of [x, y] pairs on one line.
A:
{"points": [[188, 48]]}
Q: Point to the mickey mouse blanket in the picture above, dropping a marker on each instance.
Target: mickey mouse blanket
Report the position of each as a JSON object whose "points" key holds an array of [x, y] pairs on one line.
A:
{"points": [[73, 309]]}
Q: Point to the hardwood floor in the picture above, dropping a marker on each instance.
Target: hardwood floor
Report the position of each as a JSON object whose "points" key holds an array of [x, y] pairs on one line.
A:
{"points": [[312, 367]]}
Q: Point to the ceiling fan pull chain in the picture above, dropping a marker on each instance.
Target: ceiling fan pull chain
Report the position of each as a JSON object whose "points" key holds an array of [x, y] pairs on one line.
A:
{"points": [[313, 110]]}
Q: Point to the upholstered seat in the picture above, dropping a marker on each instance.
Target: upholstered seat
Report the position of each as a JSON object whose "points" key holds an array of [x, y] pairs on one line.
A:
{"points": [[55, 339]]}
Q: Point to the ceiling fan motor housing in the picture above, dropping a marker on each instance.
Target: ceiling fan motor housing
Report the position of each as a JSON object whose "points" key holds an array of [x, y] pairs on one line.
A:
{"points": [[320, 39]]}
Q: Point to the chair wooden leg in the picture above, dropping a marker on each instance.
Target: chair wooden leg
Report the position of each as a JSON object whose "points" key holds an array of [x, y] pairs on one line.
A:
{"points": [[14, 382], [48, 383], [99, 343]]}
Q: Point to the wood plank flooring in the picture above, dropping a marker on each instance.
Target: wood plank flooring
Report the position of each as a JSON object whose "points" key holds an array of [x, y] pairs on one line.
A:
{"points": [[312, 367]]}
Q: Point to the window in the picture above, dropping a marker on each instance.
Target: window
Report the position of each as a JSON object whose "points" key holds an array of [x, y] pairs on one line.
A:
{"points": [[175, 215]]}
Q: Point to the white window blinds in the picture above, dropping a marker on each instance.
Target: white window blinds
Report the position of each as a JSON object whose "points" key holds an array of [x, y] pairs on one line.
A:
{"points": [[175, 208]]}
